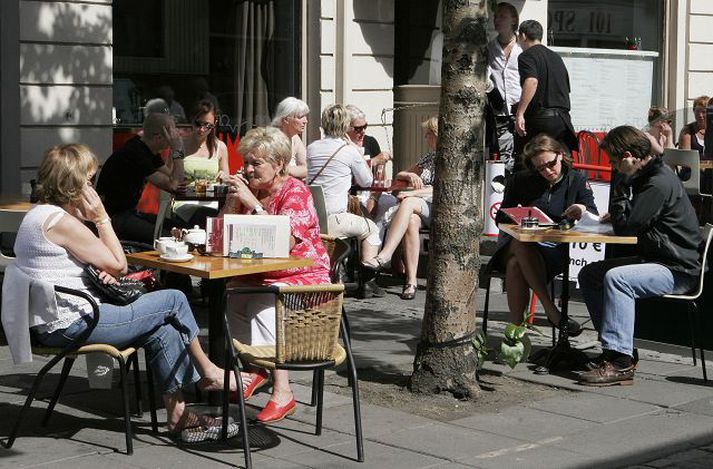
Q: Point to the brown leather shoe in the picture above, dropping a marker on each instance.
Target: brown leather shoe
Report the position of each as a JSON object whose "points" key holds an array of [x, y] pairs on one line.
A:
{"points": [[608, 375]]}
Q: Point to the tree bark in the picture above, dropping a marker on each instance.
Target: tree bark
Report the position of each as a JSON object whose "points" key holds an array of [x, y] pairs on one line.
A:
{"points": [[445, 357]]}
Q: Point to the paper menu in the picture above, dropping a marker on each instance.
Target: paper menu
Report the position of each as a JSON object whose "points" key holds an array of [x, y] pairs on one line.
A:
{"points": [[590, 223], [254, 236]]}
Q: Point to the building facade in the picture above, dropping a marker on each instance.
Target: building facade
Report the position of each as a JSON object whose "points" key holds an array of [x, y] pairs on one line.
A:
{"points": [[84, 70]]}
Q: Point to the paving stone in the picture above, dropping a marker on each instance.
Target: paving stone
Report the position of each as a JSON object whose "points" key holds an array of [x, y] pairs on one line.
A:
{"points": [[701, 406], [376, 455], [530, 455], [517, 423], [446, 441], [662, 393], [595, 408]]}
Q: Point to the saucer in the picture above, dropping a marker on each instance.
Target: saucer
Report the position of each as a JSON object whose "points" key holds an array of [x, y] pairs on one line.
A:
{"points": [[535, 228], [184, 258]]}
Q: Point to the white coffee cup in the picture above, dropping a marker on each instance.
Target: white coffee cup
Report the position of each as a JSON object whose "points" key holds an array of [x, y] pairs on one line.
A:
{"points": [[176, 249], [161, 243]]}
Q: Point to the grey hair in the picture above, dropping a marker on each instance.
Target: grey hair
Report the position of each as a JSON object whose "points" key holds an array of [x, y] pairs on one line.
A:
{"points": [[156, 105], [289, 106], [354, 112]]}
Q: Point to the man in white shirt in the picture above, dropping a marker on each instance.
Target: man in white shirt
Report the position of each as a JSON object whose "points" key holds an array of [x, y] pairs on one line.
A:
{"points": [[503, 52]]}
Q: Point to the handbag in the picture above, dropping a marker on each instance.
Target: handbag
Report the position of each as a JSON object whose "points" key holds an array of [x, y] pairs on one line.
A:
{"points": [[125, 292]]}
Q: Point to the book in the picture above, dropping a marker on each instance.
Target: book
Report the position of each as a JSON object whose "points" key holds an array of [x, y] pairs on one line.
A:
{"points": [[249, 236], [516, 214]]}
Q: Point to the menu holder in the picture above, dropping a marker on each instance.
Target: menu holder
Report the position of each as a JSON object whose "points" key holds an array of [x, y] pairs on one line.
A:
{"points": [[516, 214], [249, 236]]}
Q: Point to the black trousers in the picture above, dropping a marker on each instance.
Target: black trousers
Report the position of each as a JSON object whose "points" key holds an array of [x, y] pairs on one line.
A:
{"points": [[556, 124]]}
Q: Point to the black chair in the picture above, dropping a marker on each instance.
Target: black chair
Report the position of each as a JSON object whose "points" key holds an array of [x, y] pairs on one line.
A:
{"points": [[690, 298], [308, 323], [69, 353]]}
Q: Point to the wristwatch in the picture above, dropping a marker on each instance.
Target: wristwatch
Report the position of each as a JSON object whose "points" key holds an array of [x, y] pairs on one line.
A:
{"points": [[258, 210], [178, 154]]}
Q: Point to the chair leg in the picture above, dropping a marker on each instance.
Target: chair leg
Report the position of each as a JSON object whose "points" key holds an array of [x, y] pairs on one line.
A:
{"points": [[30, 397], [347, 329], [66, 368], [485, 307], [232, 360], [123, 372], [697, 315], [134, 363], [692, 324], [315, 378], [355, 399], [152, 396], [320, 400]]}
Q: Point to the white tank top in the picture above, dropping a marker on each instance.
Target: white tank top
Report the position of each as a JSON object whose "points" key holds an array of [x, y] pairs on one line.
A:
{"points": [[41, 259]]}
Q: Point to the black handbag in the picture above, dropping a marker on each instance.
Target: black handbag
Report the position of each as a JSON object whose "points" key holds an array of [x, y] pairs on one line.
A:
{"points": [[124, 292]]}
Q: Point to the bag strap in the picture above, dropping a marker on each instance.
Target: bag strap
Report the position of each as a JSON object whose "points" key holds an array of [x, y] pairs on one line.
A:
{"points": [[325, 164]]}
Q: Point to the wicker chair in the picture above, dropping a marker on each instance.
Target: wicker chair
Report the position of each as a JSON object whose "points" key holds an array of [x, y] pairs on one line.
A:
{"points": [[308, 323], [124, 358]]}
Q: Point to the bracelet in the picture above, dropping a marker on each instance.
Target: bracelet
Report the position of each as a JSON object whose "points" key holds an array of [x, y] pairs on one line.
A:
{"points": [[103, 221]]}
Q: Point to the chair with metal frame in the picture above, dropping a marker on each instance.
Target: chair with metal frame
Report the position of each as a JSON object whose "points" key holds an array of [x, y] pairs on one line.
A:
{"points": [[308, 324], [690, 299], [125, 358]]}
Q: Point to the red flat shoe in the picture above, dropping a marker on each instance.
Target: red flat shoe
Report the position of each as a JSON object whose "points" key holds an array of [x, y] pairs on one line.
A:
{"points": [[260, 380], [273, 413]]}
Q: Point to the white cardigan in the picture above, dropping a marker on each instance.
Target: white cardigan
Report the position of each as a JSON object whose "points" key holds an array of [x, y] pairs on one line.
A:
{"points": [[26, 302]]}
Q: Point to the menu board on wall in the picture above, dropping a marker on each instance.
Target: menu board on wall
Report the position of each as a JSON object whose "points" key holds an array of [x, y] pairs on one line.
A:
{"points": [[608, 87]]}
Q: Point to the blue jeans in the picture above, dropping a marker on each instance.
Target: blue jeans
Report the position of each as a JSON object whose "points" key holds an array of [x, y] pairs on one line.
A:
{"points": [[160, 322], [610, 289]]}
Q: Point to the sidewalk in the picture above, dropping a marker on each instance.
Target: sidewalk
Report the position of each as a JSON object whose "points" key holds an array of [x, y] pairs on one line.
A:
{"points": [[664, 420]]}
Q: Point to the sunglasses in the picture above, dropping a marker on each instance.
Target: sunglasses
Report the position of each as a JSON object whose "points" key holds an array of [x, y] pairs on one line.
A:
{"points": [[548, 165], [361, 128], [203, 125]]}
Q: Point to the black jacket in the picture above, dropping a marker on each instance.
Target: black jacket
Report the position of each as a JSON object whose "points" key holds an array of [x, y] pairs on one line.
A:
{"points": [[654, 206]]}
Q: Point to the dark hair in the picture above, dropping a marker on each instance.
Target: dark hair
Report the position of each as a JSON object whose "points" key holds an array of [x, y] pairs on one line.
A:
{"points": [[531, 29], [544, 142], [626, 138], [203, 107], [512, 11]]}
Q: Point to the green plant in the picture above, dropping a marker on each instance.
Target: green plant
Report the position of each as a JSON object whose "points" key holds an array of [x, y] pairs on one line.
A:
{"points": [[516, 346], [480, 345]]}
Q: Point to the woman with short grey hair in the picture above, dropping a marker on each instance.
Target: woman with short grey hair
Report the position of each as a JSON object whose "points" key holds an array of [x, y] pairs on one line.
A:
{"points": [[291, 118]]}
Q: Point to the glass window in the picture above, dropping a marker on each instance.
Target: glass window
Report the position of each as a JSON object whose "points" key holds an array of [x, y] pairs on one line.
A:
{"points": [[244, 55], [605, 24]]}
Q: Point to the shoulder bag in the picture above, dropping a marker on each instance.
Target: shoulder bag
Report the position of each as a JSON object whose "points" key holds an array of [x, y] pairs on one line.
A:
{"points": [[125, 292]]}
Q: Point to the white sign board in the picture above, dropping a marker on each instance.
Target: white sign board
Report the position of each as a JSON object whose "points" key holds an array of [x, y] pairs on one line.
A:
{"points": [[608, 87], [581, 254]]}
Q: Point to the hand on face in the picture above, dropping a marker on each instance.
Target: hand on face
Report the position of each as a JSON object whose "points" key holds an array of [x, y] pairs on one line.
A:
{"points": [[90, 205], [170, 132], [239, 192]]}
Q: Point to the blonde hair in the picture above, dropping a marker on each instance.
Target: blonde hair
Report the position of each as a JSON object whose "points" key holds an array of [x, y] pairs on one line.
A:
{"points": [[335, 121], [701, 101], [270, 144], [542, 143], [430, 125], [63, 173]]}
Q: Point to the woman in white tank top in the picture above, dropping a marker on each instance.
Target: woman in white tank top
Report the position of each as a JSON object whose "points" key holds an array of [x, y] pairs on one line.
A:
{"points": [[54, 244]]}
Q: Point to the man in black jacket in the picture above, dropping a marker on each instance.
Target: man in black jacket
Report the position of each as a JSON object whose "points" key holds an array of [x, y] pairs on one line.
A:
{"points": [[650, 203]]}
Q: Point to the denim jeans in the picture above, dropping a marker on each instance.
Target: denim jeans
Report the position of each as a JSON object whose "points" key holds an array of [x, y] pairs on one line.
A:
{"points": [[160, 322], [610, 289]]}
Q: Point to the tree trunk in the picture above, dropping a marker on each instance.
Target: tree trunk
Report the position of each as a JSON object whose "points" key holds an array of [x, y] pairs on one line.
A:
{"points": [[445, 357]]}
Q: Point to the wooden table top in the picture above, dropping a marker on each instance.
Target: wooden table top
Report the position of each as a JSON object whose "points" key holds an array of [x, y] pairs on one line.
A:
{"points": [[706, 164], [211, 267], [554, 235], [208, 196], [18, 203]]}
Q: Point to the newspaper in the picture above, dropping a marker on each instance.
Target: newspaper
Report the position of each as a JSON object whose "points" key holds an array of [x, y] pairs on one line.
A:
{"points": [[591, 223]]}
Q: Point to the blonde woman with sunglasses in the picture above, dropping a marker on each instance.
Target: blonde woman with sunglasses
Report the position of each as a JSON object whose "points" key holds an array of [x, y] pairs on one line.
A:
{"points": [[550, 184]]}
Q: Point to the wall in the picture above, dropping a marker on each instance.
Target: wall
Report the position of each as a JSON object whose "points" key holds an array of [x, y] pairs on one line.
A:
{"points": [[699, 49], [65, 78], [357, 60]]}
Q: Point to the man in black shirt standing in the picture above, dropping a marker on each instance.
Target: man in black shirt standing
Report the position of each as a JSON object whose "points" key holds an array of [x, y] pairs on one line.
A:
{"points": [[125, 173], [544, 102]]}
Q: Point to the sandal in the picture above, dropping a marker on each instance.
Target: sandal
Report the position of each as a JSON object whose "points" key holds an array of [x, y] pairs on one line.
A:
{"points": [[375, 264], [409, 291], [191, 420], [209, 433]]}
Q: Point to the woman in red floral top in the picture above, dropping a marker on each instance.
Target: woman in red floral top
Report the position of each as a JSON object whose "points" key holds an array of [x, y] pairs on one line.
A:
{"points": [[266, 188]]}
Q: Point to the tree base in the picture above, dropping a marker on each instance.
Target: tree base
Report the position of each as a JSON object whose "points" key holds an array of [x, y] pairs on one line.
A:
{"points": [[446, 369]]}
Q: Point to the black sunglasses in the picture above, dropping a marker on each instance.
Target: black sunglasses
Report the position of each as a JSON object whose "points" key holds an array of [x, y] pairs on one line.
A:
{"points": [[203, 125], [360, 128], [548, 165]]}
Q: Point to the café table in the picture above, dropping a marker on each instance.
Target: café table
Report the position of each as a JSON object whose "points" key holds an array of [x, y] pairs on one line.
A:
{"points": [[208, 196], [15, 203], [555, 235], [216, 270]]}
